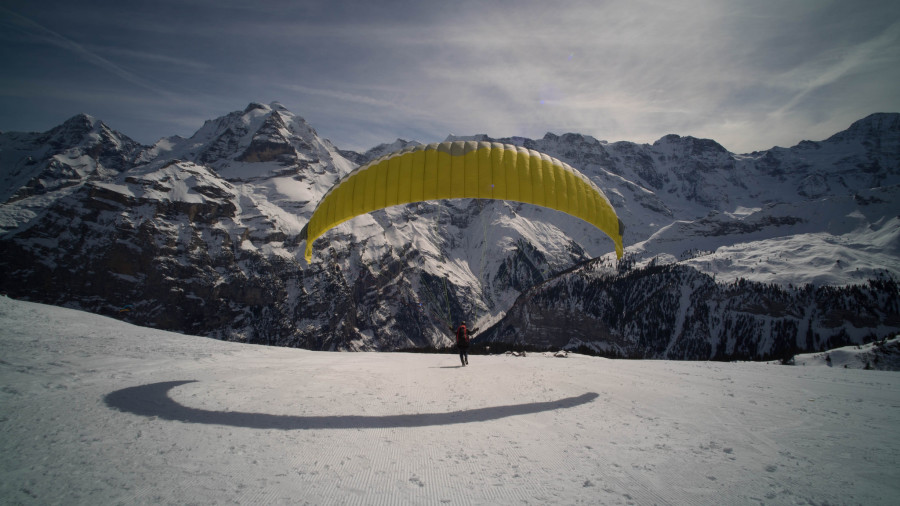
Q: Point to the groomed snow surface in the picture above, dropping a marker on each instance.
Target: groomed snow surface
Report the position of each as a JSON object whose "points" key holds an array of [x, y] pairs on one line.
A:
{"points": [[96, 411]]}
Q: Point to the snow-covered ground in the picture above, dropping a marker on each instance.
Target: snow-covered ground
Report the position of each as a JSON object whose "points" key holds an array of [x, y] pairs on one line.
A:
{"points": [[96, 411], [882, 355]]}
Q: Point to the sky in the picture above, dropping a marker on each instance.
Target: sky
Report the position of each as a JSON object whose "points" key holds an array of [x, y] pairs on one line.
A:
{"points": [[748, 74]]}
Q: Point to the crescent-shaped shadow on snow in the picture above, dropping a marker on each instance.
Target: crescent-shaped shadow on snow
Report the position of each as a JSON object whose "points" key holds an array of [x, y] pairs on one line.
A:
{"points": [[153, 401]]}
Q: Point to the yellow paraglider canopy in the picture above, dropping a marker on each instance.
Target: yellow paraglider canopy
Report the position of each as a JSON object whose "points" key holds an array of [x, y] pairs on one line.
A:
{"points": [[463, 169]]}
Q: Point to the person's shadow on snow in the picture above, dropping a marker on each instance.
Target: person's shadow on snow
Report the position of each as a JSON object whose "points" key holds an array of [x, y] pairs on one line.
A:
{"points": [[153, 401]]}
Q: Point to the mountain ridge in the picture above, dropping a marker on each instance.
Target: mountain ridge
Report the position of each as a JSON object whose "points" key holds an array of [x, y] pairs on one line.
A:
{"points": [[201, 234]]}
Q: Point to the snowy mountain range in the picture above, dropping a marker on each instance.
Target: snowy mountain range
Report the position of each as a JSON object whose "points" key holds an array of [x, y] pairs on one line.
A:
{"points": [[728, 255]]}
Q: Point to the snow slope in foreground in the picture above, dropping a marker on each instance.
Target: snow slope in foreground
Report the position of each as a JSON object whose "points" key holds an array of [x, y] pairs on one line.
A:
{"points": [[96, 411]]}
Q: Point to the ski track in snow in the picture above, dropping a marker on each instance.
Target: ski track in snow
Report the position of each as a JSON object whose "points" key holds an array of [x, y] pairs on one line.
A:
{"points": [[657, 432]]}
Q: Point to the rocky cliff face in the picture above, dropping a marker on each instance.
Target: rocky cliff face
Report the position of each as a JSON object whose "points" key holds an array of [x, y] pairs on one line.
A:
{"points": [[675, 312], [200, 235]]}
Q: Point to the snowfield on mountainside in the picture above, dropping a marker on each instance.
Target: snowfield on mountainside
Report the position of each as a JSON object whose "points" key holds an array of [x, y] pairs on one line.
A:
{"points": [[202, 235], [98, 411]]}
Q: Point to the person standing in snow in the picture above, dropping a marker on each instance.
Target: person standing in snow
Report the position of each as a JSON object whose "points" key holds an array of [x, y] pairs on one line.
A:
{"points": [[462, 342]]}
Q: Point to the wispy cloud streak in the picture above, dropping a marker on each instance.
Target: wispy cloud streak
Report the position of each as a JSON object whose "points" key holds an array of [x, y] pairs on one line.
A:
{"points": [[50, 37], [838, 66]]}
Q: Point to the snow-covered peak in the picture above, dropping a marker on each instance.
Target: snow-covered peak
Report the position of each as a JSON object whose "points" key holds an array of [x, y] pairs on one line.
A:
{"points": [[476, 137], [883, 128], [78, 125], [85, 131], [63, 157], [690, 146], [384, 149], [574, 139], [257, 142]]}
